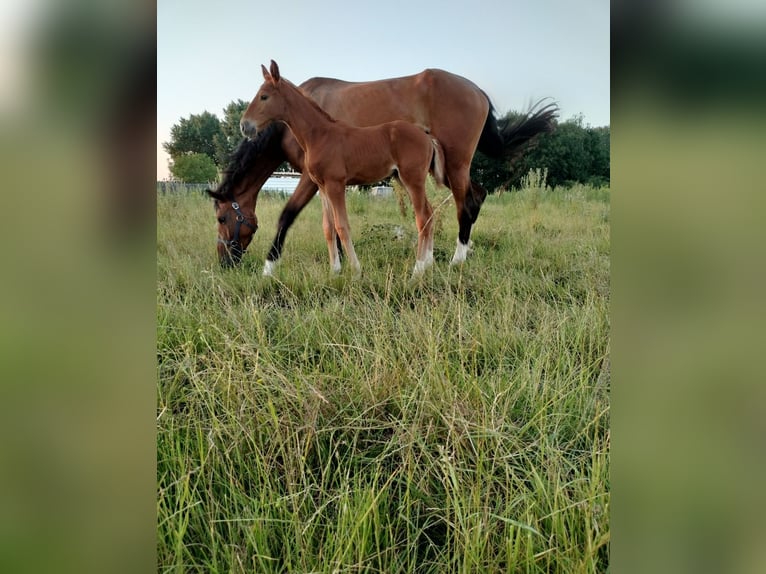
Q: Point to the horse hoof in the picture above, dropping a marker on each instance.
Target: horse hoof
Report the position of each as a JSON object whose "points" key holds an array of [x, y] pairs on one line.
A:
{"points": [[461, 252], [421, 266], [268, 268]]}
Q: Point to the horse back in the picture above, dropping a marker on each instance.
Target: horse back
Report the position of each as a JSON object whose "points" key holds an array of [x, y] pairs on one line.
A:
{"points": [[451, 107]]}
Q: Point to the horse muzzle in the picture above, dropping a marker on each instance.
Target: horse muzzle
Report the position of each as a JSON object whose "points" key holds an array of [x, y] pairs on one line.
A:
{"points": [[229, 253], [248, 128]]}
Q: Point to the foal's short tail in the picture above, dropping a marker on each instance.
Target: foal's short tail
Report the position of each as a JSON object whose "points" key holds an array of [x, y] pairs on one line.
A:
{"points": [[437, 162]]}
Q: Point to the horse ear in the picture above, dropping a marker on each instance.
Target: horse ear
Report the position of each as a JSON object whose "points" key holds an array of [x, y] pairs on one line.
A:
{"points": [[266, 75], [215, 195], [274, 71]]}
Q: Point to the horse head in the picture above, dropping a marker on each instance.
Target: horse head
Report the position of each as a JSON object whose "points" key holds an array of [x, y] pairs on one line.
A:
{"points": [[266, 106], [237, 225]]}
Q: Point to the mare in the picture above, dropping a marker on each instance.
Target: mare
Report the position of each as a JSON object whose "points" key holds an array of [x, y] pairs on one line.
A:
{"points": [[453, 109], [337, 154]]}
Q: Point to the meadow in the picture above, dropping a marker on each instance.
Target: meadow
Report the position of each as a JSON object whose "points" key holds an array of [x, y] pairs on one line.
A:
{"points": [[331, 424]]}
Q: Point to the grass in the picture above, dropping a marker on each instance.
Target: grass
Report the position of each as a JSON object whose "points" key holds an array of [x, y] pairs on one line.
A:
{"points": [[320, 423]]}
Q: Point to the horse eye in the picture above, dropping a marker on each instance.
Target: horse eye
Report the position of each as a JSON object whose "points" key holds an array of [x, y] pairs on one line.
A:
{"points": [[264, 97], [222, 219]]}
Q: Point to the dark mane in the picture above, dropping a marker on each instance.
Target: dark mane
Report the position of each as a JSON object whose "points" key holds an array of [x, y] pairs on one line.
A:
{"points": [[244, 157]]}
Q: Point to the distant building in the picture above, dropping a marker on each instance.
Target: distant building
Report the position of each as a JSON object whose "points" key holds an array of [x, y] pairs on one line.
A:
{"points": [[382, 191], [282, 183]]}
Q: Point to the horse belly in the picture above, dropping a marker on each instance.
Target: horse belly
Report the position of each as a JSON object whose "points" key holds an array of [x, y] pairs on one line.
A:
{"points": [[370, 173], [369, 157]]}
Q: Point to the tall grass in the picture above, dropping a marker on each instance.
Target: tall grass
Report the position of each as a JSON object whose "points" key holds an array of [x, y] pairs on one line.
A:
{"points": [[319, 423]]}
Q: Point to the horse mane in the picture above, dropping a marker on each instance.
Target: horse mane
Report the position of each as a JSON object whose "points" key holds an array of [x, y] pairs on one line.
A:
{"points": [[244, 157]]}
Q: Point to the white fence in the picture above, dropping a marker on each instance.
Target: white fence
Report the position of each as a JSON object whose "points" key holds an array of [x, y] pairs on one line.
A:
{"points": [[283, 183], [280, 182]]}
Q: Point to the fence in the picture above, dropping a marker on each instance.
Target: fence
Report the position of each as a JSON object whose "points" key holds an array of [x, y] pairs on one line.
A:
{"points": [[281, 183], [179, 187]]}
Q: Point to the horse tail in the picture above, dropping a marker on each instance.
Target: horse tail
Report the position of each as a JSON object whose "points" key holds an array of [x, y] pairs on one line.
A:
{"points": [[508, 139], [437, 162]]}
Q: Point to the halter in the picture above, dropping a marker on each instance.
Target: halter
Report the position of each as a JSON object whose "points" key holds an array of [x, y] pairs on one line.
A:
{"points": [[233, 243]]}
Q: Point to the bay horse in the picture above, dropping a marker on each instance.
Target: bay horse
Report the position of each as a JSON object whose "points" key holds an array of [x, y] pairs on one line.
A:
{"points": [[337, 154], [455, 111]]}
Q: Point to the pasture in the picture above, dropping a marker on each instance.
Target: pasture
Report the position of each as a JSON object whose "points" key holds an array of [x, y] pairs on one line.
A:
{"points": [[318, 423]]}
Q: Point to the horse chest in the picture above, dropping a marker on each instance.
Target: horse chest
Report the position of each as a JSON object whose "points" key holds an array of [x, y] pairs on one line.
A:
{"points": [[324, 168]]}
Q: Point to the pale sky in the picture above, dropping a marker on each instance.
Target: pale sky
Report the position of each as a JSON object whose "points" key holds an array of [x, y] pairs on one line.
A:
{"points": [[517, 51]]}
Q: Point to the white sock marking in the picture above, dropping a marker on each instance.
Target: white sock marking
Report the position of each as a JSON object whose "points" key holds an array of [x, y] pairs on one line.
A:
{"points": [[461, 252]]}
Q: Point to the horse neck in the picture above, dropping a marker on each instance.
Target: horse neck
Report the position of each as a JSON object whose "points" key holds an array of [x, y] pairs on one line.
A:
{"points": [[249, 177], [248, 190], [303, 117]]}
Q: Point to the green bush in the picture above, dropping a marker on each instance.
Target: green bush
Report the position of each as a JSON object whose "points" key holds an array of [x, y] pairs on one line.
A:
{"points": [[194, 168]]}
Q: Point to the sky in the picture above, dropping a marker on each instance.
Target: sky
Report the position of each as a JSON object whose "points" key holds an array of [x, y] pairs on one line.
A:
{"points": [[518, 51]]}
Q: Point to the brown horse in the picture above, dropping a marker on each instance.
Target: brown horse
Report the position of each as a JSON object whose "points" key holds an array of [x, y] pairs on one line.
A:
{"points": [[338, 154], [454, 110]]}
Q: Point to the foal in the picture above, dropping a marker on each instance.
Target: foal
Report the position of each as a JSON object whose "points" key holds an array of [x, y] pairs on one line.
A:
{"points": [[338, 154]]}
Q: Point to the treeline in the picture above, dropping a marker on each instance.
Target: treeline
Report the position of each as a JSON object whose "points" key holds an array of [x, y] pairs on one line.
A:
{"points": [[201, 144]]}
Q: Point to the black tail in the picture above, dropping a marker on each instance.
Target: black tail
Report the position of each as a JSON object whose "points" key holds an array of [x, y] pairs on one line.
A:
{"points": [[508, 140]]}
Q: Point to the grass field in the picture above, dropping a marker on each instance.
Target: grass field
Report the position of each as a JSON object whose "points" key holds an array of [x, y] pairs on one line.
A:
{"points": [[320, 423]]}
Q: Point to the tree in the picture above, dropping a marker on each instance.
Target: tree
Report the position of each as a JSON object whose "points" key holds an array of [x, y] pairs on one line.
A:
{"points": [[600, 152], [489, 172], [195, 134], [228, 138], [565, 153], [193, 168], [573, 153]]}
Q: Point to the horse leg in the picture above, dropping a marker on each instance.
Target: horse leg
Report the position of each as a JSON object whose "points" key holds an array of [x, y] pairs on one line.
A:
{"points": [[424, 221], [467, 206], [473, 202], [330, 235], [298, 200], [336, 195]]}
